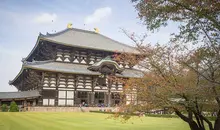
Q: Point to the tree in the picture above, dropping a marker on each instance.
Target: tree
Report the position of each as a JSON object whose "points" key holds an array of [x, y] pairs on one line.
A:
{"points": [[4, 108], [169, 83], [199, 21], [13, 107], [183, 75]]}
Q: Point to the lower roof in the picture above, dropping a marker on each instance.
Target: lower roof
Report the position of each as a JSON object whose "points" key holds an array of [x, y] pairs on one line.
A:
{"points": [[72, 68], [19, 95]]}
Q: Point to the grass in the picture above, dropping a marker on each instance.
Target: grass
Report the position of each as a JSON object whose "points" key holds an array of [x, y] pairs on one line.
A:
{"points": [[84, 121]]}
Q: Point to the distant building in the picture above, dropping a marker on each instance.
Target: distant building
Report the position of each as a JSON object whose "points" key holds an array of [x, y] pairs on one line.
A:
{"points": [[70, 68]]}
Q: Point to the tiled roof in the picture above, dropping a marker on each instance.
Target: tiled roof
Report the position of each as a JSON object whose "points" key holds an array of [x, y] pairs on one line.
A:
{"points": [[76, 69], [88, 39], [16, 95], [72, 68], [60, 67]]}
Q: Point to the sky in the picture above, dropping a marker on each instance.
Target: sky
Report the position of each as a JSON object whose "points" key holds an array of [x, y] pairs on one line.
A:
{"points": [[23, 20]]}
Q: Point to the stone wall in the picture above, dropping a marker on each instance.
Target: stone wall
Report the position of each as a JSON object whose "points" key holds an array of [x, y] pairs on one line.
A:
{"points": [[69, 109]]}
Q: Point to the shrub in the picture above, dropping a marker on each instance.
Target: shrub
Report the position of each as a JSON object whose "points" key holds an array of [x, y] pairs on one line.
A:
{"points": [[13, 107], [4, 108]]}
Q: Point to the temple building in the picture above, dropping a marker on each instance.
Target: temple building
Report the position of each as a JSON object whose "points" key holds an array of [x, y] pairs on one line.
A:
{"points": [[71, 67]]}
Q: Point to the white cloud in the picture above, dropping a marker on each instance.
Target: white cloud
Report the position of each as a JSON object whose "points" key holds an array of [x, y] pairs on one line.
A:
{"points": [[98, 15], [45, 18]]}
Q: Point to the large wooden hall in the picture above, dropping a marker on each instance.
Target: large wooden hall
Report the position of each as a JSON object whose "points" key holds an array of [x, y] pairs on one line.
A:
{"points": [[71, 67]]}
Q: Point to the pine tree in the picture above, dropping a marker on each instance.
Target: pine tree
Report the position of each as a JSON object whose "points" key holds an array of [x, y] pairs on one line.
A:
{"points": [[13, 107], [4, 108]]}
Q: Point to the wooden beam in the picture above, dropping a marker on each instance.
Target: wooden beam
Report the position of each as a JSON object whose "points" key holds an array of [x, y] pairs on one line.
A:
{"points": [[57, 92]]}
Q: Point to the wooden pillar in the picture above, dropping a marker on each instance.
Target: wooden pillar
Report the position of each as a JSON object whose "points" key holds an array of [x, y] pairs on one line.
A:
{"points": [[92, 98], [109, 92], [75, 90], [109, 99], [106, 98], [40, 89], [57, 84], [93, 93], [88, 98], [74, 98]]}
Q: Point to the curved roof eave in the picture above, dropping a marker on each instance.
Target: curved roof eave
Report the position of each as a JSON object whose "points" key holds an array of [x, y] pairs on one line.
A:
{"points": [[18, 75]]}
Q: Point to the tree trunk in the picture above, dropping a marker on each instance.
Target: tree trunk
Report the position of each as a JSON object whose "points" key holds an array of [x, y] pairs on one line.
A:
{"points": [[217, 124], [193, 125], [217, 121]]}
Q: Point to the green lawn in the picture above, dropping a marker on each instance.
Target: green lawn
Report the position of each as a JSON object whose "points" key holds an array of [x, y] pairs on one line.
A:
{"points": [[84, 121]]}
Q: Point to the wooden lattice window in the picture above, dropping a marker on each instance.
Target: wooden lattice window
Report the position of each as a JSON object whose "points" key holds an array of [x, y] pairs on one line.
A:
{"points": [[82, 94]]}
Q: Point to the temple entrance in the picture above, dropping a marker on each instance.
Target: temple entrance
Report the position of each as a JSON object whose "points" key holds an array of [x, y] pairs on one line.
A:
{"points": [[83, 97], [99, 99]]}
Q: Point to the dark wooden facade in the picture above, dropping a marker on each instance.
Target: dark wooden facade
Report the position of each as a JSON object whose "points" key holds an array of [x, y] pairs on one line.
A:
{"points": [[73, 89]]}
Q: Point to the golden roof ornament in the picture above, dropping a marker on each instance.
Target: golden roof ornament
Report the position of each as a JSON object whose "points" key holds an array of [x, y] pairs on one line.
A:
{"points": [[96, 30], [69, 25]]}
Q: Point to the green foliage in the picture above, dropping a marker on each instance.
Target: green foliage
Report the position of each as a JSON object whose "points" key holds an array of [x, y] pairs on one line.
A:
{"points": [[194, 18], [13, 107], [4, 108]]}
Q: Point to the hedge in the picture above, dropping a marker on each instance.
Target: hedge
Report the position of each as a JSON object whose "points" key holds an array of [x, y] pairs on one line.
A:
{"points": [[151, 115]]}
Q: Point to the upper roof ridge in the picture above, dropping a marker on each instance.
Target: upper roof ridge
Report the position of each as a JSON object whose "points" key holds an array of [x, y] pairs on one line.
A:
{"points": [[54, 34], [66, 30]]}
